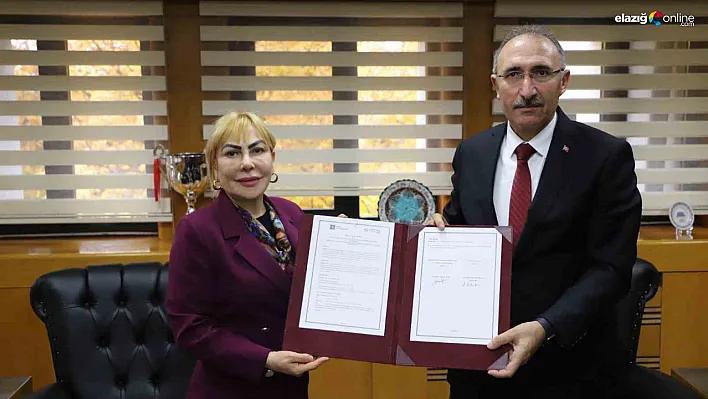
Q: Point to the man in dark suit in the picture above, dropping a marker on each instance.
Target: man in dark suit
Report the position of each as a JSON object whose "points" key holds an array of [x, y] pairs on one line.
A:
{"points": [[569, 192]]}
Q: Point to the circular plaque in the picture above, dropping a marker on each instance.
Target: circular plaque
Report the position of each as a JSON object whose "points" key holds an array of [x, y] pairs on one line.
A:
{"points": [[406, 201], [681, 215]]}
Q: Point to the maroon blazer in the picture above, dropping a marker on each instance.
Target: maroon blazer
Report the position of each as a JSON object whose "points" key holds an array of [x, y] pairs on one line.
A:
{"points": [[227, 300]]}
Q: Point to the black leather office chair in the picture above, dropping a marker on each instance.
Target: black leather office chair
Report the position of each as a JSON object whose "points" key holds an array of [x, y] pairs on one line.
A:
{"points": [[640, 382], [646, 281], [109, 335]]}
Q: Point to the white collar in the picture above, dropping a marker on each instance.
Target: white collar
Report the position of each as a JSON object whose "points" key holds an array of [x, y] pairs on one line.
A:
{"points": [[541, 142]]}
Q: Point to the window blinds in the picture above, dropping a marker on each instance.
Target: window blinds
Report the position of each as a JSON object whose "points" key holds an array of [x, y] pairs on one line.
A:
{"points": [[355, 88], [646, 83], [78, 116]]}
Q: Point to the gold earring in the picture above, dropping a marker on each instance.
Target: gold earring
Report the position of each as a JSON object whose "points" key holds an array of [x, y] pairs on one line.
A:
{"points": [[215, 185], [274, 178]]}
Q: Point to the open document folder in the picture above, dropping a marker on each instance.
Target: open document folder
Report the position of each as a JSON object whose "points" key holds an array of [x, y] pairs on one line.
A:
{"points": [[400, 294]]}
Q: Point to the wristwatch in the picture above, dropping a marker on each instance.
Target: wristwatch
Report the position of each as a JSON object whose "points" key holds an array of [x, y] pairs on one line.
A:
{"points": [[269, 373]]}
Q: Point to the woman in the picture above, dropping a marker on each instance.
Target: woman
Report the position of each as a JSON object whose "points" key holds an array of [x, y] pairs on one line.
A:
{"points": [[230, 273]]}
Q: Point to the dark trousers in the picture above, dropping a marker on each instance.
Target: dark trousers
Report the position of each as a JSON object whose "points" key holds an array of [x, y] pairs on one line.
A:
{"points": [[479, 385]]}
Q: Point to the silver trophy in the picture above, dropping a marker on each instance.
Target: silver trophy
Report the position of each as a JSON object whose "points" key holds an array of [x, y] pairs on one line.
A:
{"points": [[185, 172]]}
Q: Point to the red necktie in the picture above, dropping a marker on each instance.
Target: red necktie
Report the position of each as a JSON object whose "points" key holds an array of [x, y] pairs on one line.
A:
{"points": [[520, 200]]}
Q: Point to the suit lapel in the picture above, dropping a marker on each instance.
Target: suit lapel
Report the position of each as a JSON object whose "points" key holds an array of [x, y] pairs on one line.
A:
{"points": [[553, 176], [245, 244], [485, 173]]}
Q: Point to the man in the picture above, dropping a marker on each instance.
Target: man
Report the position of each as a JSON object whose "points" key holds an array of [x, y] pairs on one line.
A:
{"points": [[570, 193]]}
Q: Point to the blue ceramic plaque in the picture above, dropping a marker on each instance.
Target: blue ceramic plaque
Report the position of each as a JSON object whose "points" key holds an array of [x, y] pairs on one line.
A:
{"points": [[406, 201]]}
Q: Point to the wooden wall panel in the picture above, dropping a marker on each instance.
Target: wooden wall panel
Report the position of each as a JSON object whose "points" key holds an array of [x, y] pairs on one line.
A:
{"points": [[649, 341], [438, 390], [341, 379], [184, 85], [399, 382], [24, 345], [478, 54], [684, 326]]}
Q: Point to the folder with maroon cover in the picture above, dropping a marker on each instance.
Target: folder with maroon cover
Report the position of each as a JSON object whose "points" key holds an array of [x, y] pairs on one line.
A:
{"points": [[395, 346]]}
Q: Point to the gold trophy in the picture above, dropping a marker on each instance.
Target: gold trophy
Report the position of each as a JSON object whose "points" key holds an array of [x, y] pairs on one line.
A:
{"points": [[185, 172]]}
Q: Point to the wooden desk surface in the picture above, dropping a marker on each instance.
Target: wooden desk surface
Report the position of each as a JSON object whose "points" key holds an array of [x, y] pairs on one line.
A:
{"points": [[648, 235], [667, 233], [82, 246], [657, 245], [22, 261], [15, 387], [696, 378]]}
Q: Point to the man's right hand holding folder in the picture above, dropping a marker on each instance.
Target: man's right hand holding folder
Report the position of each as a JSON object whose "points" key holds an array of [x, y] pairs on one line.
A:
{"points": [[525, 339]]}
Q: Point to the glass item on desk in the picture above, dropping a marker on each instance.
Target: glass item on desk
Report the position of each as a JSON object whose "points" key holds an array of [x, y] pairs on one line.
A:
{"points": [[406, 201], [681, 216], [185, 172]]}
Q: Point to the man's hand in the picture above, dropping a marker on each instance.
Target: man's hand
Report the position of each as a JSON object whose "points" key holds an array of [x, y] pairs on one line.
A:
{"points": [[438, 221], [293, 363], [525, 339]]}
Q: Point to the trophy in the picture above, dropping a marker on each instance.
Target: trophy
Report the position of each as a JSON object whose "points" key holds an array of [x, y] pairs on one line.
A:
{"points": [[185, 172], [681, 216]]}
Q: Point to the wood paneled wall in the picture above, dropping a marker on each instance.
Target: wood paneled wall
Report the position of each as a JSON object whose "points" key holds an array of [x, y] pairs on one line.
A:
{"points": [[183, 75]]}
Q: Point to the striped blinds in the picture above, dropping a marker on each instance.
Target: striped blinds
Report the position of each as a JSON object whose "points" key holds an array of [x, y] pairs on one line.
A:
{"points": [[640, 81], [357, 94], [79, 111]]}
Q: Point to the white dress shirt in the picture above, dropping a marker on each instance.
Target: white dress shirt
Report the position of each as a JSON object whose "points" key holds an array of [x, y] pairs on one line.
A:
{"points": [[506, 166]]}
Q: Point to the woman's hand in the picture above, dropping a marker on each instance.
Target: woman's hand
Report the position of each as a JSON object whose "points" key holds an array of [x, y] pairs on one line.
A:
{"points": [[293, 363]]}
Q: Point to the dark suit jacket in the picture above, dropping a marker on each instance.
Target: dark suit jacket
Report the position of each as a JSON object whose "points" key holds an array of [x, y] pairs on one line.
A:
{"points": [[227, 300], [574, 259]]}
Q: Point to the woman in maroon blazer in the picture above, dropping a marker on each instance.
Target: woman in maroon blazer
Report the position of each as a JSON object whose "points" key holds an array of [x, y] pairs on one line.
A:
{"points": [[230, 272]]}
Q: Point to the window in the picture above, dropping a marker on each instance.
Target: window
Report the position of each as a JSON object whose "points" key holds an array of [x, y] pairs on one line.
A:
{"points": [[9, 190], [76, 105], [344, 89], [368, 204], [644, 83]]}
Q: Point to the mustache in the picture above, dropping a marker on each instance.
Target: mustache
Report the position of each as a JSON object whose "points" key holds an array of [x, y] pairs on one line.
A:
{"points": [[532, 101]]}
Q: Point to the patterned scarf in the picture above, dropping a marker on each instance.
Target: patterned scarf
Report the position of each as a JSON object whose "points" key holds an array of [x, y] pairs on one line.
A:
{"points": [[279, 247]]}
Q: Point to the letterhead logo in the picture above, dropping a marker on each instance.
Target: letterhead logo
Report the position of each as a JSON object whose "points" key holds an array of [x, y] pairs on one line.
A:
{"points": [[655, 17]]}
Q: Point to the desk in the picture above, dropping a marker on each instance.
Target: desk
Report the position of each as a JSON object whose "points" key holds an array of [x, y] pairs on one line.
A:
{"points": [[673, 331], [15, 387], [696, 378], [674, 326], [24, 346]]}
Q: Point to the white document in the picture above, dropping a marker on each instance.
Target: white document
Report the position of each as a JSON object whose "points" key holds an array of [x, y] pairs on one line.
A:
{"points": [[456, 297], [347, 279]]}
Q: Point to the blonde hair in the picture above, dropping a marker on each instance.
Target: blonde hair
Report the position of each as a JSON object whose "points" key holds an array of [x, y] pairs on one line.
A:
{"points": [[234, 125]]}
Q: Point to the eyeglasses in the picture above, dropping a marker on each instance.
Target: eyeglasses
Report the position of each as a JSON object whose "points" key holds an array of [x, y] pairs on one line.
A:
{"points": [[538, 76]]}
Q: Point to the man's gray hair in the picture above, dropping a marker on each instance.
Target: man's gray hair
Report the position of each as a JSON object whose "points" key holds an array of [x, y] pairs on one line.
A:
{"points": [[535, 30]]}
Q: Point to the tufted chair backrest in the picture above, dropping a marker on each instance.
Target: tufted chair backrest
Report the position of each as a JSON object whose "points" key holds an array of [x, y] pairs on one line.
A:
{"points": [[109, 334], [646, 280]]}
